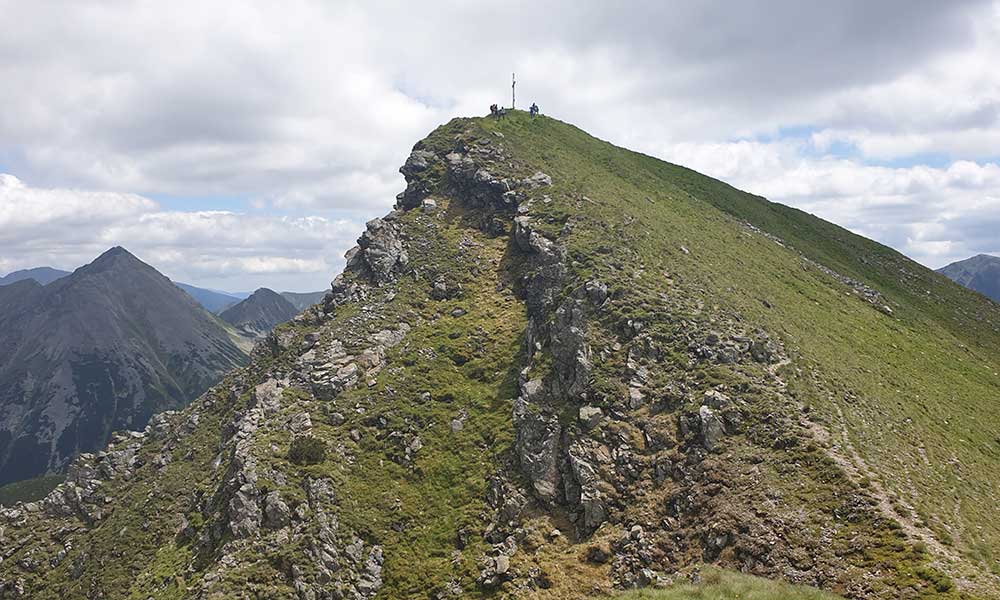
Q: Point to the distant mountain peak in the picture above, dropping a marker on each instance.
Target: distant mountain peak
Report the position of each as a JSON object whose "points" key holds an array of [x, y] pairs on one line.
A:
{"points": [[980, 273], [41, 275], [260, 313], [115, 255]]}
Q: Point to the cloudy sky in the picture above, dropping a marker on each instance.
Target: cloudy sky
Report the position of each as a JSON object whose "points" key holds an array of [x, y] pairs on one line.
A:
{"points": [[240, 144]]}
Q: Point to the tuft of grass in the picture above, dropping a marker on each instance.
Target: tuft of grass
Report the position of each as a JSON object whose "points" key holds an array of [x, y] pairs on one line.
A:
{"points": [[718, 584], [307, 450], [29, 490]]}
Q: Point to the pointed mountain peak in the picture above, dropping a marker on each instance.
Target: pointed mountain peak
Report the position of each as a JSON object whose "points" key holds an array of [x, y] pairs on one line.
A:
{"points": [[265, 293], [113, 253], [115, 258], [123, 270], [260, 312]]}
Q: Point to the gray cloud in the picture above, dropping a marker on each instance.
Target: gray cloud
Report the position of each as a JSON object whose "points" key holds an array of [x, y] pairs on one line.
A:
{"points": [[307, 108]]}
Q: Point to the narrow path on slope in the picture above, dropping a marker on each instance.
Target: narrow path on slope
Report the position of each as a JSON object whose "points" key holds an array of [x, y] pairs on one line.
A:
{"points": [[847, 457]]}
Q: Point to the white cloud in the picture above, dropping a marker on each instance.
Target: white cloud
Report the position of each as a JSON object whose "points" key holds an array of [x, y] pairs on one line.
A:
{"points": [[935, 215], [67, 228]]}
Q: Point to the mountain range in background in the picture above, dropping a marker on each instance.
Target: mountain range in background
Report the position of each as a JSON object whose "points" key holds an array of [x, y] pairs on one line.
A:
{"points": [[214, 301], [43, 275], [561, 369], [980, 273], [107, 346], [95, 351]]}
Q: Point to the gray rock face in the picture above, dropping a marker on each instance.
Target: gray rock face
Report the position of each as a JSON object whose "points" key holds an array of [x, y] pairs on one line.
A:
{"points": [[538, 445], [570, 349], [590, 416], [382, 250], [531, 241], [712, 429], [276, 512], [495, 571], [244, 511], [417, 187], [584, 491], [596, 291], [537, 180], [715, 399], [417, 162]]}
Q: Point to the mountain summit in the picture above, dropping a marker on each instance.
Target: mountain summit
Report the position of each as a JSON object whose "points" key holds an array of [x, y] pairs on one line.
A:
{"points": [[980, 273], [260, 313], [99, 350], [558, 369]]}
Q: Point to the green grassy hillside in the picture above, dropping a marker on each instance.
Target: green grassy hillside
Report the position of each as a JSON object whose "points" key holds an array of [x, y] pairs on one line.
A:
{"points": [[28, 490], [563, 369], [724, 585], [917, 393]]}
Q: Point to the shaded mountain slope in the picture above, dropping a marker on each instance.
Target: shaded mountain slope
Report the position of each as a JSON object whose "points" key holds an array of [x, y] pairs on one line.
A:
{"points": [[560, 369], [303, 300], [211, 300], [43, 275], [980, 273], [260, 313], [101, 349]]}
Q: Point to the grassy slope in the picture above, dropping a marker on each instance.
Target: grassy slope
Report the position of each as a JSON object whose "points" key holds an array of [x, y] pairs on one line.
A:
{"points": [[724, 585], [917, 391], [464, 362], [28, 490]]}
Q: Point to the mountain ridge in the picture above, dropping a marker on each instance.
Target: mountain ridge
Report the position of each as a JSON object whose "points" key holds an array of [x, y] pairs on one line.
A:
{"points": [[214, 301], [559, 369], [43, 275]]}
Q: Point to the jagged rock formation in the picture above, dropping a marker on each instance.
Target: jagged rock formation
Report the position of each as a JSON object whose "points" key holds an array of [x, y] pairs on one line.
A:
{"points": [[260, 313], [980, 273], [557, 369], [96, 351]]}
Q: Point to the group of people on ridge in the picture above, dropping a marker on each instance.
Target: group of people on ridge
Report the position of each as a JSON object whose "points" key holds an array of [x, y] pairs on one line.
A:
{"points": [[499, 112]]}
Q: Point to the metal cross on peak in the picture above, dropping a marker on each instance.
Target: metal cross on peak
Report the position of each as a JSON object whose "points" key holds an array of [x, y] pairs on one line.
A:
{"points": [[513, 96]]}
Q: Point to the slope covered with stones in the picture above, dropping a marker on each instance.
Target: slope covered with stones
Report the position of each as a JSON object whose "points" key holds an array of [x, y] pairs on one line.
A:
{"points": [[557, 369]]}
